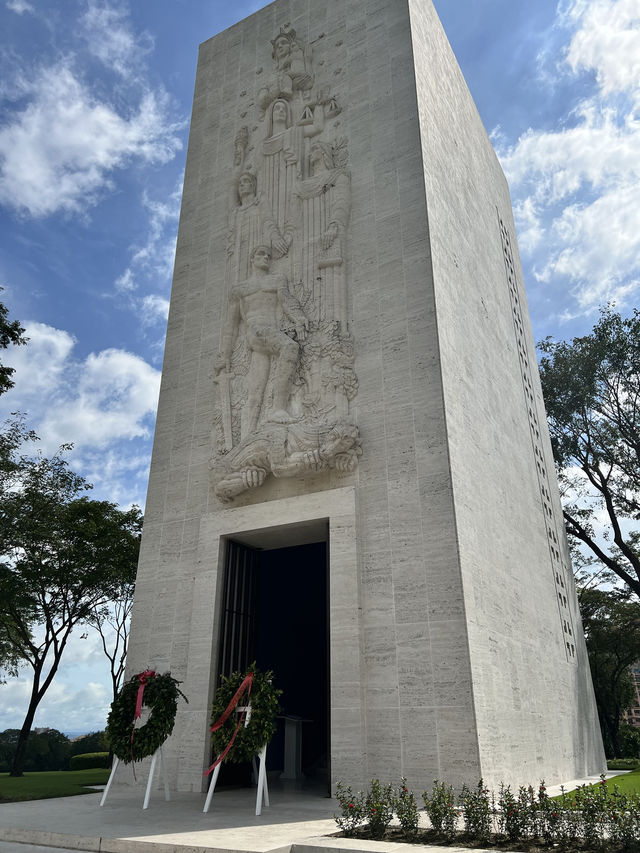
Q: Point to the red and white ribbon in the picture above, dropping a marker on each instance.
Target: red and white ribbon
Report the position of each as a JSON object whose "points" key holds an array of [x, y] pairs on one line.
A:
{"points": [[245, 687], [142, 677]]}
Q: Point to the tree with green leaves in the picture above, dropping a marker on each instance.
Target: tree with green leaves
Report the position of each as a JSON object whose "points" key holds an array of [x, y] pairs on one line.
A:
{"points": [[591, 388], [611, 621], [63, 556], [11, 334]]}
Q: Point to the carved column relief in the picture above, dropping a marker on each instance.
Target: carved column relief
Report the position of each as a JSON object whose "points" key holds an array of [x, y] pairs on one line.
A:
{"points": [[284, 374]]}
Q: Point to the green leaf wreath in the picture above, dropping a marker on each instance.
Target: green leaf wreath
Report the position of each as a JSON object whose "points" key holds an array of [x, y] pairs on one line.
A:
{"points": [[262, 725], [161, 694]]}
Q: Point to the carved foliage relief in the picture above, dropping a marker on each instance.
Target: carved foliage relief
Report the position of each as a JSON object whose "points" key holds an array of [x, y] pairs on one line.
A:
{"points": [[284, 374]]}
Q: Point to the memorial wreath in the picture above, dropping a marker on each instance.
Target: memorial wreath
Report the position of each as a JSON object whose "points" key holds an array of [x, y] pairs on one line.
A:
{"points": [[160, 694], [230, 738]]}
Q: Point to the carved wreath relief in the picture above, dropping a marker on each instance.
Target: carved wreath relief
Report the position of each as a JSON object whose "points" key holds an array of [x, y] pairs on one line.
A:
{"points": [[284, 372]]}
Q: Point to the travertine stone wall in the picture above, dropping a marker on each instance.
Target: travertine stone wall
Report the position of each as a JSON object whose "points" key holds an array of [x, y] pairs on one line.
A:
{"points": [[533, 701], [451, 603]]}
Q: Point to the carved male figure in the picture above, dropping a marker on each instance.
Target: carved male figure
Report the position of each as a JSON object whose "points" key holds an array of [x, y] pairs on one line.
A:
{"points": [[259, 302]]}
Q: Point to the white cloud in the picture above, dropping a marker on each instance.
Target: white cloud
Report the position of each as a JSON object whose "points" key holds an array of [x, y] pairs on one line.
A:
{"points": [[116, 394], [154, 259], [58, 153], [40, 365], [599, 151], [20, 6], [607, 42], [63, 707], [110, 38], [108, 397], [151, 263], [530, 230], [600, 248], [66, 706], [576, 188], [121, 476], [154, 308]]}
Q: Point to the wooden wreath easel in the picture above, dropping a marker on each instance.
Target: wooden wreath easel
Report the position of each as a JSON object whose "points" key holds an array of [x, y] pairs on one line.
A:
{"points": [[263, 787], [147, 796]]}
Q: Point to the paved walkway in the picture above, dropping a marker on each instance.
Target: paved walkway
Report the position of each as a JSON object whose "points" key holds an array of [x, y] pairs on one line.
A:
{"points": [[121, 825], [296, 822]]}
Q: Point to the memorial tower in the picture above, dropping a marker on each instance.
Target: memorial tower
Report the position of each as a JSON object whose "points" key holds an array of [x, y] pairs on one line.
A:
{"points": [[352, 481]]}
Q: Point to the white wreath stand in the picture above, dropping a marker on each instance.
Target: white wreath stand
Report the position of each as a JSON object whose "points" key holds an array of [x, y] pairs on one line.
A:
{"points": [[263, 787], [147, 795]]}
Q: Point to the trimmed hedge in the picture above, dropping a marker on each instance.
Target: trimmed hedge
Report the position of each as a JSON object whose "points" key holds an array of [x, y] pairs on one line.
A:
{"points": [[89, 760], [622, 764]]}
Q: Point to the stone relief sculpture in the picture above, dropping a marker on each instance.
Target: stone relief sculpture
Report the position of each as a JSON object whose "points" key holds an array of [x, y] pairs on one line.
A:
{"points": [[284, 373], [251, 223], [324, 206], [256, 302], [293, 71]]}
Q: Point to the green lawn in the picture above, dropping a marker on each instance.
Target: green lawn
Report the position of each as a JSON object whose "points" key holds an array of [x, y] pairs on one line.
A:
{"points": [[53, 783], [628, 783]]}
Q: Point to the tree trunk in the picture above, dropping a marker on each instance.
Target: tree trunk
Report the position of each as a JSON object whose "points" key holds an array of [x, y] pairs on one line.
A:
{"points": [[23, 737], [37, 692]]}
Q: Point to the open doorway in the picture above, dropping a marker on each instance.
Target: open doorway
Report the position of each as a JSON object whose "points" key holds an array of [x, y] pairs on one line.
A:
{"points": [[275, 611]]}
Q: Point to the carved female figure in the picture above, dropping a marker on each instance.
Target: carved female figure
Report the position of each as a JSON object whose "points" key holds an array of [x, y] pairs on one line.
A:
{"points": [[282, 157], [324, 200]]}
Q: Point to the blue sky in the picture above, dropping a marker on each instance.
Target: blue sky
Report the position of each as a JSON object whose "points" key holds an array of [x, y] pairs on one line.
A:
{"points": [[96, 98]]}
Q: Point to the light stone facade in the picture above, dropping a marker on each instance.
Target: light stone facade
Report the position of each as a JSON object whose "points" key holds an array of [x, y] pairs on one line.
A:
{"points": [[370, 371]]}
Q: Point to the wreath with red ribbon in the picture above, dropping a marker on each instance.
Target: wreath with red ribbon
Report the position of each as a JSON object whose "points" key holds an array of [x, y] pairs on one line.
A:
{"points": [[159, 693], [230, 738]]}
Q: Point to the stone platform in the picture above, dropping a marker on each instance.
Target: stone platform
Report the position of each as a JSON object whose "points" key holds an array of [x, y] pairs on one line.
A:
{"points": [[297, 822]]}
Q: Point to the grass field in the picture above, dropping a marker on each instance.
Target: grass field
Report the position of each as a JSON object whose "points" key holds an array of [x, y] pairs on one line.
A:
{"points": [[54, 783], [628, 783]]}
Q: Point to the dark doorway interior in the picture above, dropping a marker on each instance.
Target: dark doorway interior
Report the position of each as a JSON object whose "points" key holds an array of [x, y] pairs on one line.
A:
{"points": [[275, 612]]}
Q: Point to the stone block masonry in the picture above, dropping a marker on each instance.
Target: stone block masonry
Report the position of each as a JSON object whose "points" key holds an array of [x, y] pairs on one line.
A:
{"points": [[349, 359]]}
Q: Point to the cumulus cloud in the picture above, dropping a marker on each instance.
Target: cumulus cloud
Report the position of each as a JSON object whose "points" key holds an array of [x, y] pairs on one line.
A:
{"points": [[40, 366], [63, 707], [78, 698], [108, 397], [575, 188], [115, 394], [59, 150], [607, 41]]}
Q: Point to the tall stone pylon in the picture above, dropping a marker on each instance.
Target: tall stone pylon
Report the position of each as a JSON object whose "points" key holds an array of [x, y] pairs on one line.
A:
{"points": [[352, 481]]}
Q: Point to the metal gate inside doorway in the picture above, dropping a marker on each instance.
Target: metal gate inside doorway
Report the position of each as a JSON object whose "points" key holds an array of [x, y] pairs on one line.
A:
{"points": [[239, 602]]}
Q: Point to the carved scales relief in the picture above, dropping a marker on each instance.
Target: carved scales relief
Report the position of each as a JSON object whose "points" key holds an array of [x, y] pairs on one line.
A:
{"points": [[284, 373]]}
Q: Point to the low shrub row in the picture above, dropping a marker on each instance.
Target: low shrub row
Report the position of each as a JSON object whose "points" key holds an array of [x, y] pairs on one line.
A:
{"points": [[89, 760], [591, 817], [623, 763]]}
